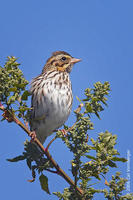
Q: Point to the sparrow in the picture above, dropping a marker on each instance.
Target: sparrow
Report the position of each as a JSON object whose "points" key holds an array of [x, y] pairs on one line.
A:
{"points": [[52, 97]]}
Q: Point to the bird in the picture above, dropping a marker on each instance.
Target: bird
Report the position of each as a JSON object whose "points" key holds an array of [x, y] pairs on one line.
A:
{"points": [[51, 95]]}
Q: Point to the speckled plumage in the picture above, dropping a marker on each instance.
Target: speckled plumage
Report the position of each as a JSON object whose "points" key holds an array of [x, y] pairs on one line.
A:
{"points": [[51, 95]]}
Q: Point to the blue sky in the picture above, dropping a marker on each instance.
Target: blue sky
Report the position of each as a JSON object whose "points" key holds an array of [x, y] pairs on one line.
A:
{"points": [[101, 33]]}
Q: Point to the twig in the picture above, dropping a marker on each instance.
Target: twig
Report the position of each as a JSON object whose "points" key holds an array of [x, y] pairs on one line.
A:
{"points": [[52, 171], [33, 174], [68, 130], [50, 143], [60, 171]]}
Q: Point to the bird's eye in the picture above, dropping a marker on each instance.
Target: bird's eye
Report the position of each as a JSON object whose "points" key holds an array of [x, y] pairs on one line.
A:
{"points": [[63, 58]]}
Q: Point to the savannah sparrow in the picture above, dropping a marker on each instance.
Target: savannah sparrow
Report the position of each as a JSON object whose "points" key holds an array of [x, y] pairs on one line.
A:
{"points": [[52, 95]]}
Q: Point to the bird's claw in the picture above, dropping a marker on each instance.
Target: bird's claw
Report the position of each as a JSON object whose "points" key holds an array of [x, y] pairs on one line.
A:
{"points": [[64, 132], [33, 136]]}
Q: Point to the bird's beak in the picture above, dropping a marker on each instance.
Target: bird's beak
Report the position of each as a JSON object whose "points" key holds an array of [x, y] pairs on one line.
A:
{"points": [[75, 60]]}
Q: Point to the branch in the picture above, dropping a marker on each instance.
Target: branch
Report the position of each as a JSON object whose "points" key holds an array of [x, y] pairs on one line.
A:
{"points": [[11, 117]]}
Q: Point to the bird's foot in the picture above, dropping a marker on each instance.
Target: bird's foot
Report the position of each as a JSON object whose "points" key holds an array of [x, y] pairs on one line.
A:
{"points": [[26, 124], [33, 136], [64, 132], [46, 149]]}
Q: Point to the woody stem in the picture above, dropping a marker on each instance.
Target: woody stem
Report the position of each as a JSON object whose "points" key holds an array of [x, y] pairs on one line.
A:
{"points": [[59, 170]]}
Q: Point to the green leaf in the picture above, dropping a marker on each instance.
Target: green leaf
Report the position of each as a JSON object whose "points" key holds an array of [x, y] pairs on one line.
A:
{"points": [[28, 161], [14, 89], [88, 108], [96, 113], [119, 159], [91, 157], [104, 102], [111, 164], [44, 183], [2, 119], [85, 99], [97, 176], [78, 99], [25, 95], [16, 159]]}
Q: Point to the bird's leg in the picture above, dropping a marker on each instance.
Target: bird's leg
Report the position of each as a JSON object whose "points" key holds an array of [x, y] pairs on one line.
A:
{"points": [[26, 124], [33, 136], [64, 132]]}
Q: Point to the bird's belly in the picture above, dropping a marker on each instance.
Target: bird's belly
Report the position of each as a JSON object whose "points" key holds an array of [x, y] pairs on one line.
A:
{"points": [[56, 108], [55, 120]]}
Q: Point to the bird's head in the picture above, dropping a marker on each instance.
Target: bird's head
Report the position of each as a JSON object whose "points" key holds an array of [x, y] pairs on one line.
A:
{"points": [[60, 61]]}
